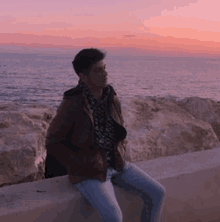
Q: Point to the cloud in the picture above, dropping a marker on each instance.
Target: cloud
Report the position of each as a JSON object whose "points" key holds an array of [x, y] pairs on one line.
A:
{"points": [[84, 14], [182, 22], [35, 24], [129, 36], [5, 18], [145, 10], [203, 9], [96, 18]]}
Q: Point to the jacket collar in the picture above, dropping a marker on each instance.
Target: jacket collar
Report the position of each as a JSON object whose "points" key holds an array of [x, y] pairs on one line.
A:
{"points": [[77, 90]]}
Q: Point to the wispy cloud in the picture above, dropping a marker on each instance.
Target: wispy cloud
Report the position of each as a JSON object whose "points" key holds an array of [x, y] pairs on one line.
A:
{"points": [[113, 23]]}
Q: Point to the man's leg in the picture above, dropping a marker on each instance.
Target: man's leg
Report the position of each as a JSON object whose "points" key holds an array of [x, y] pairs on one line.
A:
{"points": [[101, 196], [134, 179]]}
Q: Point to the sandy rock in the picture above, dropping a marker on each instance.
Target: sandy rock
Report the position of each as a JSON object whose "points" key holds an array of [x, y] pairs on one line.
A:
{"points": [[165, 127], [204, 109], [22, 142], [156, 127]]}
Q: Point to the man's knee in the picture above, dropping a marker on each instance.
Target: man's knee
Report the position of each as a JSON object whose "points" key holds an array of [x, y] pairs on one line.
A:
{"points": [[114, 215], [113, 218]]}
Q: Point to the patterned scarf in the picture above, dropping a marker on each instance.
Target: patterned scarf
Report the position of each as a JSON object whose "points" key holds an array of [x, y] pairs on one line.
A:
{"points": [[104, 135]]}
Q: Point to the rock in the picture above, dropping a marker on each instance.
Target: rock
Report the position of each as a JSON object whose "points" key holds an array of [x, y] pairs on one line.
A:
{"points": [[204, 109], [166, 127], [22, 142], [156, 127]]}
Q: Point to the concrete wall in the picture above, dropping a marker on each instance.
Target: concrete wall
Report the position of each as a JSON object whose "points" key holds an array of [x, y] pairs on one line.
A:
{"points": [[192, 182]]}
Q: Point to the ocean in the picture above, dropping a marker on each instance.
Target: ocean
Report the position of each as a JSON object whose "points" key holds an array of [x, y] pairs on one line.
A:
{"points": [[39, 77]]}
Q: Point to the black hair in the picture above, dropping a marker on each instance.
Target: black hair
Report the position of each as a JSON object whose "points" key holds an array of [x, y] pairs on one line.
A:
{"points": [[85, 59]]}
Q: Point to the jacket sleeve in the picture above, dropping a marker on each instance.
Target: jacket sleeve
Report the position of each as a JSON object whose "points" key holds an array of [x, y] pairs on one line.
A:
{"points": [[118, 103], [56, 138]]}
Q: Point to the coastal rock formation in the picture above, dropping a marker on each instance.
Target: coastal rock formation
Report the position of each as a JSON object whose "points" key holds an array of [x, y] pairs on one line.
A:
{"points": [[156, 127], [204, 109], [22, 142], [160, 127]]}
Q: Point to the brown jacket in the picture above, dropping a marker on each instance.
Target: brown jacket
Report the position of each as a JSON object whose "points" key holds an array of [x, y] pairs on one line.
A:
{"points": [[70, 137]]}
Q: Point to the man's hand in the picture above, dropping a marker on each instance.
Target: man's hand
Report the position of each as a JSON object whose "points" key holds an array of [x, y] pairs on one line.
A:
{"points": [[97, 160], [74, 179]]}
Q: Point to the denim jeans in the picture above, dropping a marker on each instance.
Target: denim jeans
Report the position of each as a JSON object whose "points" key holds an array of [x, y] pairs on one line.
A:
{"points": [[102, 197]]}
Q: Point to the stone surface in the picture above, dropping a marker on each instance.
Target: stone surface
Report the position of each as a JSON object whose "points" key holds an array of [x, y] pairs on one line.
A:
{"points": [[156, 127], [204, 109], [165, 127], [22, 142]]}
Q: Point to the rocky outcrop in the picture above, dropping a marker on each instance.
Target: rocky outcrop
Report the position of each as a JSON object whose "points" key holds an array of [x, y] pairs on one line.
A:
{"points": [[156, 127], [204, 109], [164, 127], [22, 142]]}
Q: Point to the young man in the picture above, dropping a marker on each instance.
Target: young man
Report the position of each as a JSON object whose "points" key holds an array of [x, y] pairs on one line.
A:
{"points": [[86, 140]]}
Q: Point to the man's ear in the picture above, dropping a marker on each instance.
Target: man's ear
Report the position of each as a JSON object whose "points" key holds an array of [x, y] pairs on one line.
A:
{"points": [[81, 77]]}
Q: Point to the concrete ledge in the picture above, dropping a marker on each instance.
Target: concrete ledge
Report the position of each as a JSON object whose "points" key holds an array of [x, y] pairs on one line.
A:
{"points": [[192, 182]]}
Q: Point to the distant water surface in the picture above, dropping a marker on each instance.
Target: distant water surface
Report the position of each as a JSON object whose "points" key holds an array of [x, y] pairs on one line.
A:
{"points": [[43, 78]]}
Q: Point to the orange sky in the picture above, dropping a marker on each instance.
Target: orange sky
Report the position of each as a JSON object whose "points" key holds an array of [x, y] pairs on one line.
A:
{"points": [[187, 27]]}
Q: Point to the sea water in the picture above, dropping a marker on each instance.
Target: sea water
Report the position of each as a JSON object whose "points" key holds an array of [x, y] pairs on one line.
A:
{"points": [[43, 78]]}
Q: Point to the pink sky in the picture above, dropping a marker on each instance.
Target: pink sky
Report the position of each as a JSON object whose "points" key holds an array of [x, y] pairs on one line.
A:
{"points": [[187, 26]]}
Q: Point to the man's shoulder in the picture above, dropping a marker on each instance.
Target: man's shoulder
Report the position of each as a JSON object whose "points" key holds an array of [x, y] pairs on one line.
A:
{"points": [[75, 91], [73, 97]]}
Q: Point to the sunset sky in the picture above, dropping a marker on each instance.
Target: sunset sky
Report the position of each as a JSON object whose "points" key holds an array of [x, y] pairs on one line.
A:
{"points": [[186, 27]]}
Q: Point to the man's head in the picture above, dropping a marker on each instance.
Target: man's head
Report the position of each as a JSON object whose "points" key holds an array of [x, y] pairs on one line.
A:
{"points": [[89, 65]]}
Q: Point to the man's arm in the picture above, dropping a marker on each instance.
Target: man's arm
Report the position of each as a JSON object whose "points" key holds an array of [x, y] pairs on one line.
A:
{"points": [[56, 139]]}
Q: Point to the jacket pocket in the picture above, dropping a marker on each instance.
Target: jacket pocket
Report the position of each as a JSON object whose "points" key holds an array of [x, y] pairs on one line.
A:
{"points": [[74, 179], [88, 163], [98, 161]]}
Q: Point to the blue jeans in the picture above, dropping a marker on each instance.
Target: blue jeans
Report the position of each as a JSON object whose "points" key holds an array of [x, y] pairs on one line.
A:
{"points": [[102, 197]]}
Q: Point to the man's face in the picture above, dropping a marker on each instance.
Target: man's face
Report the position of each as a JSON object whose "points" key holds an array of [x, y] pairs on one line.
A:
{"points": [[97, 77]]}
